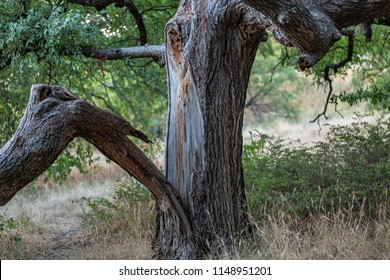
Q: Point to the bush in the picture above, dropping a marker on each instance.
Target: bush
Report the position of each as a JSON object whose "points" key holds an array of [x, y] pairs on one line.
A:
{"points": [[350, 170], [131, 203]]}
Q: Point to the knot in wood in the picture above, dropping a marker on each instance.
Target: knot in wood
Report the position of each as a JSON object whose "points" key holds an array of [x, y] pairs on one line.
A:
{"points": [[284, 19]]}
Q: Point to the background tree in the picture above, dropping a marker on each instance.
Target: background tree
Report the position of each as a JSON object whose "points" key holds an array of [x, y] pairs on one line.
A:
{"points": [[210, 49]]}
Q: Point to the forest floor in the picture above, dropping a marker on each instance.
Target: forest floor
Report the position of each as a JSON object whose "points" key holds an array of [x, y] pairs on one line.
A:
{"points": [[53, 218]]}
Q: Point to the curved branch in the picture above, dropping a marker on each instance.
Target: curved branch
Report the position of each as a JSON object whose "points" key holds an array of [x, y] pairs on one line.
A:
{"points": [[335, 67], [139, 21], [303, 25], [314, 26], [53, 118]]}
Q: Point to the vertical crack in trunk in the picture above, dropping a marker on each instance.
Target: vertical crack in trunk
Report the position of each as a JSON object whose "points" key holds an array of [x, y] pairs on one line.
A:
{"points": [[211, 46]]}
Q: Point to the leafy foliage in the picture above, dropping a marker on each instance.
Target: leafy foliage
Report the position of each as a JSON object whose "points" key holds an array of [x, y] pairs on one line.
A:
{"points": [[41, 42], [350, 170], [378, 97], [8, 230]]}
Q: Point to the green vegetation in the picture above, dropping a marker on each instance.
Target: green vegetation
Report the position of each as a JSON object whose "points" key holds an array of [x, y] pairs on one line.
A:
{"points": [[128, 193], [42, 41], [345, 178], [20, 238], [350, 170]]}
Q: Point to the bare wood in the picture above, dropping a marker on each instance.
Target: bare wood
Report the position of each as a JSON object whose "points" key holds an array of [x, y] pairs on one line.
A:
{"points": [[211, 46], [155, 52], [53, 118]]}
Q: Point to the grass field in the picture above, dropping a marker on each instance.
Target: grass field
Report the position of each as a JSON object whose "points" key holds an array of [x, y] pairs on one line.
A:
{"points": [[54, 226]]}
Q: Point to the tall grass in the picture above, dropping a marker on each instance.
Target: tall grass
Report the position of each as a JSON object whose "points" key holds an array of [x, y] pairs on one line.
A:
{"points": [[122, 227]]}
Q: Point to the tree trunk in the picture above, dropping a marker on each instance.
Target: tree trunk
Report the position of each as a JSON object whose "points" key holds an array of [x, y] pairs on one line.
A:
{"points": [[211, 46]]}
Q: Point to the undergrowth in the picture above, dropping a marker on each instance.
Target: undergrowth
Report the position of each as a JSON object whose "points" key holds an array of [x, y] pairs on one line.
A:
{"points": [[19, 238], [122, 226], [349, 171]]}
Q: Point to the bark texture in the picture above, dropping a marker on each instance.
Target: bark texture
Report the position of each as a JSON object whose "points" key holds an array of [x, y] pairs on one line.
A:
{"points": [[312, 26], [210, 46], [53, 118]]}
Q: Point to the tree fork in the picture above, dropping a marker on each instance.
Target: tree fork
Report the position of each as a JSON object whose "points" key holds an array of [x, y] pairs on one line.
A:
{"points": [[53, 118]]}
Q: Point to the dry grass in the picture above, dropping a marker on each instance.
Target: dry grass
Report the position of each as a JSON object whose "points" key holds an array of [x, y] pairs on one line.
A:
{"points": [[127, 235], [24, 241], [335, 236]]}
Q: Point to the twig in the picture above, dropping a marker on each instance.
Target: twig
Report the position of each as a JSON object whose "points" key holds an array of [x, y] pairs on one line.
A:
{"points": [[284, 58], [335, 68]]}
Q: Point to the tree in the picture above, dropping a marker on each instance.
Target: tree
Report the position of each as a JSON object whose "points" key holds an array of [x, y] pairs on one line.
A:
{"points": [[209, 50]]}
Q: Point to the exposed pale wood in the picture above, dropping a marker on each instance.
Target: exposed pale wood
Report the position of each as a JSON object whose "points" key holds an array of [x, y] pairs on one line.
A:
{"points": [[155, 52], [211, 46]]}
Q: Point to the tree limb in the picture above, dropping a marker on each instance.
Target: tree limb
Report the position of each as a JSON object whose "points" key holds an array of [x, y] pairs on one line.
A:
{"points": [[53, 118], [155, 52], [314, 26], [335, 67], [139, 21]]}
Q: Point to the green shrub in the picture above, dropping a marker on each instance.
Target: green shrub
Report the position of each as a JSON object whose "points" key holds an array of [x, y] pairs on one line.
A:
{"points": [[128, 194], [350, 170]]}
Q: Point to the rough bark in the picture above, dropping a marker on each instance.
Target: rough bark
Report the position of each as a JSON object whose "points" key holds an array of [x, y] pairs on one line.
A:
{"points": [[53, 118], [211, 46], [312, 26]]}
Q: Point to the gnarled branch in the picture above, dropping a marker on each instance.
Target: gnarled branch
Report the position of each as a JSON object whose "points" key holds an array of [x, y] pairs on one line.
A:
{"points": [[53, 118], [314, 26]]}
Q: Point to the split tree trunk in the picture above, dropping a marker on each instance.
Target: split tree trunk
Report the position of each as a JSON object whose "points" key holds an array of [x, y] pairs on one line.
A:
{"points": [[211, 46]]}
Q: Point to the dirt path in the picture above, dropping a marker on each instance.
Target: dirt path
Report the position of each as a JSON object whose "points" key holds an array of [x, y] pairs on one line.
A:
{"points": [[62, 232], [69, 242]]}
